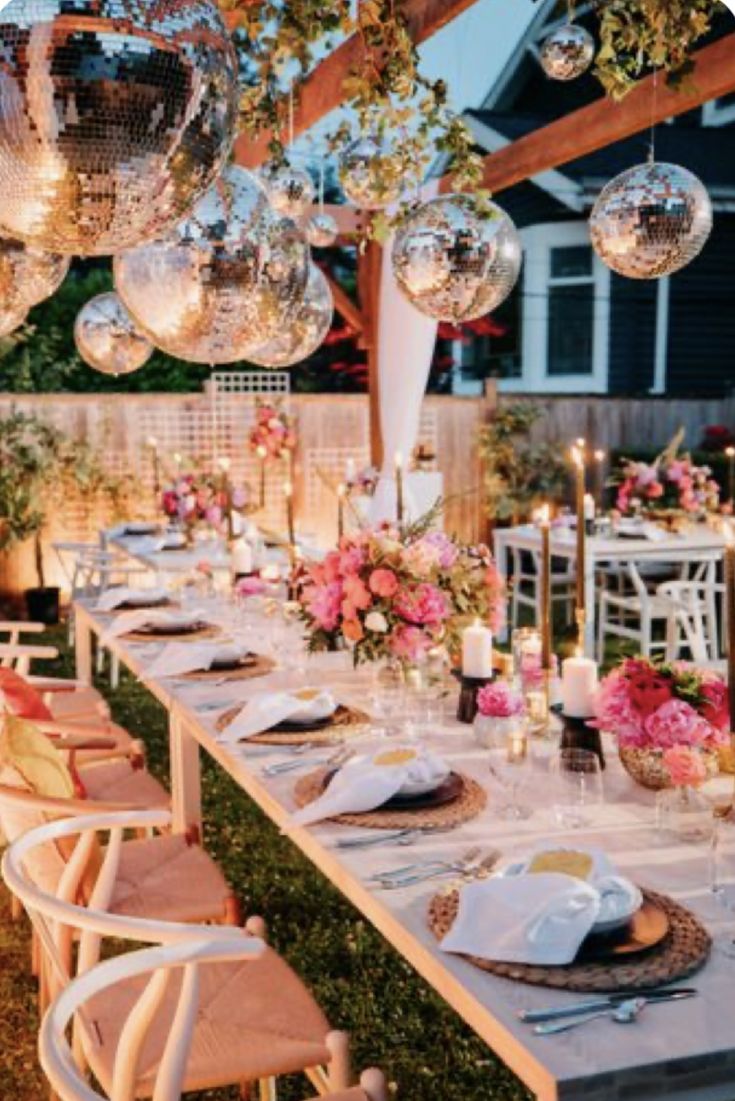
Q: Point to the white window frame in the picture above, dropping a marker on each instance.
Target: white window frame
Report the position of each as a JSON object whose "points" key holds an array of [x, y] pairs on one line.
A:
{"points": [[538, 242], [715, 114]]}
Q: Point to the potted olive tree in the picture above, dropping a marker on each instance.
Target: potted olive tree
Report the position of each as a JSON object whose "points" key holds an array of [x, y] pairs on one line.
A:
{"points": [[39, 467]]}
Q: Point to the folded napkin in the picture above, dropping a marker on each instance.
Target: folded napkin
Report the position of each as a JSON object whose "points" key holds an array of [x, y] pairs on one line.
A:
{"points": [[130, 621], [267, 709], [365, 783], [540, 919], [121, 594], [145, 544], [190, 657]]}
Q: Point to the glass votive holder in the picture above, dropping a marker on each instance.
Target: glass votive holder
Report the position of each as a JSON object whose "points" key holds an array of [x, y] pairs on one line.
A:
{"points": [[517, 746], [526, 649]]}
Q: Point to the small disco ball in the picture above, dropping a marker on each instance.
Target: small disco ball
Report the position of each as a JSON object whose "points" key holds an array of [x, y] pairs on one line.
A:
{"points": [[27, 275], [291, 191], [567, 52], [367, 174], [107, 339], [11, 319], [651, 220], [115, 116], [321, 230], [454, 263], [305, 331], [226, 281]]}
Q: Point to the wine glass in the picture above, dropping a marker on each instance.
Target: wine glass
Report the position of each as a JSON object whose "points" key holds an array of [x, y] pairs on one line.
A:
{"points": [[577, 779], [722, 876], [510, 769]]}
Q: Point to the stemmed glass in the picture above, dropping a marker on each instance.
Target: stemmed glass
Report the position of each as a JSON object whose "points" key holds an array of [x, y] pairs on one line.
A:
{"points": [[577, 786], [722, 876], [510, 766]]}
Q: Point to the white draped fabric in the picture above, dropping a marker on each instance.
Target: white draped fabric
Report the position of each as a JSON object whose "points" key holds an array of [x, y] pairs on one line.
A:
{"points": [[406, 340]]}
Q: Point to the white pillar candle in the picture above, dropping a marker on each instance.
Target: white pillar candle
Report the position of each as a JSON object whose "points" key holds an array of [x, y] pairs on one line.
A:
{"points": [[242, 557], [477, 651], [589, 506], [578, 687]]}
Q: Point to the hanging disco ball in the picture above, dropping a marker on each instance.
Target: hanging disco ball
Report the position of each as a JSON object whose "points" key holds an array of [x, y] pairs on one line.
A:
{"points": [[107, 339], [11, 319], [291, 191], [27, 275], [454, 263], [367, 173], [115, 116], [305, 331], [567, 52], [321, 230], [226, 281], [651, 220]]}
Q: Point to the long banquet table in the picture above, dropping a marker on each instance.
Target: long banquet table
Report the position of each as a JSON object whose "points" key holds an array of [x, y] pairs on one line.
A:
{"points": [[684, 1050]]}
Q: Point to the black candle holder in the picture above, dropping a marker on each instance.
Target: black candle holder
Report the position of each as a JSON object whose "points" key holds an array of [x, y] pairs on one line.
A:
{"points": [[467, 706], [577, 735]]}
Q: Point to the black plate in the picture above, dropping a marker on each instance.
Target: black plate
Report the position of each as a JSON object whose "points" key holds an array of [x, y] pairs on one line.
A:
{"points": [[144, 529], [229, 665], [135, 605], [163, 629], [646, 929], [447, 792]]}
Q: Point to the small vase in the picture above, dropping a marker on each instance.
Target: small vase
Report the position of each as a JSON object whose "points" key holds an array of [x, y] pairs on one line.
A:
{"points": [[686, 813], [647, 768], [493, 731]]}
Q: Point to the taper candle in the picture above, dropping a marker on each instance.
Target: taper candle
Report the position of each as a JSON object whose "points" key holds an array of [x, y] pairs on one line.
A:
{"points": [[544, 523], [600, 480], [399, 486], [262, 456], [288, 494], [730, 452], [341, 494], [153, 445], [224, 465], [730, 620], [578, 460]]}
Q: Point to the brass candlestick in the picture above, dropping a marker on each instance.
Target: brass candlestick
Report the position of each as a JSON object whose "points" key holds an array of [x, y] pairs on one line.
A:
{"points": [[399, 487], [262, 455]]}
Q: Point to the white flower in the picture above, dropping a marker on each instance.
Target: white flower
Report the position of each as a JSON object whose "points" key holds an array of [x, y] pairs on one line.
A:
{"points": [[377, 622]]}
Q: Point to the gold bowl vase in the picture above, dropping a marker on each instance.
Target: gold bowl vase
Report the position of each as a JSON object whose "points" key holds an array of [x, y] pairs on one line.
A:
{"points": [[647, 768]]}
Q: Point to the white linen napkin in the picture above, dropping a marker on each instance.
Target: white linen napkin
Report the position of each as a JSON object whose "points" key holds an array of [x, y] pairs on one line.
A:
{"points": [[364, 784], [265, 710], [121, 594], [127, 622], [539, 919], [190, 657], [145, 544]]}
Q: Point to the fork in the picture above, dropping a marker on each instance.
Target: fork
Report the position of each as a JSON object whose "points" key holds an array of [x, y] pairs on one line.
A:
{"points": [[341, 757], [397, 878], [468, 870]]}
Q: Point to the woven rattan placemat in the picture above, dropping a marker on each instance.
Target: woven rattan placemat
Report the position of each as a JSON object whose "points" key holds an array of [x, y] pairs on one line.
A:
{"points": [[186, 636], [260, 667], [684, 950], [347, 721]]}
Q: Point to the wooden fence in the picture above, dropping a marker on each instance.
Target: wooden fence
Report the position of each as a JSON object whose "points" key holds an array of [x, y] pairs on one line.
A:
{"points": [[331, 428]]}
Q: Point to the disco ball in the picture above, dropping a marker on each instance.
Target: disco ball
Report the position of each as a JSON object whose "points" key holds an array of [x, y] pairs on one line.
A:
{"points": [[27, 275], [115, 116], [225, 282], [367, 173], [107, 339], [651, 220], [11, 319], [452, 262], [305, 331], [321, 230], [567, 52], [291, 191]]}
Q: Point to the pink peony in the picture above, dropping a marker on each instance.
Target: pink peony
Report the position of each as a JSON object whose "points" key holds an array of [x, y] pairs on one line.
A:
{"points": [[250, 586], [410, 643], [325, 603], [685, 766], [383, 583], [677, 723], [499, 700], [423, 604], [356, 592], [615, 712]]}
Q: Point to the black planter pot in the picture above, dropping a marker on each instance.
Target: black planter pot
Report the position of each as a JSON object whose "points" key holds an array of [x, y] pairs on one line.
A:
{"points": [[42, 604]]}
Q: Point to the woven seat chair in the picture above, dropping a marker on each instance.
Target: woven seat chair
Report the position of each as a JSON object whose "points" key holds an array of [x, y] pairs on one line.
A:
{"points": [[211, 1014]]}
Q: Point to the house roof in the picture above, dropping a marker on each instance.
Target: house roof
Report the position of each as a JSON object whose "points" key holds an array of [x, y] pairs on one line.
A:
{"points": [[709, 152]]}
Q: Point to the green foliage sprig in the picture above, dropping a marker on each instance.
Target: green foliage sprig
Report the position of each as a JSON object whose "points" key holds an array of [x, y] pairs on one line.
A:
{"points": [[517, 475]]}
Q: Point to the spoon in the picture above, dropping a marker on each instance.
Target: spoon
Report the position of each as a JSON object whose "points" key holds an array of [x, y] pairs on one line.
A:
{"points": [[624, 1014]]}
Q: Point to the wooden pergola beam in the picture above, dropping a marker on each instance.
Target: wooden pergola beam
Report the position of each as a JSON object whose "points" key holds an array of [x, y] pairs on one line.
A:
{"points": [[321, 91], [605, 122], [344, 305]]}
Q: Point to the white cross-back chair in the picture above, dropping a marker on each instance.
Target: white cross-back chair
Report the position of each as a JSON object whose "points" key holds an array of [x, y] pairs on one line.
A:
{"points": [[690, 623], [526, 590], [235, 1020]]}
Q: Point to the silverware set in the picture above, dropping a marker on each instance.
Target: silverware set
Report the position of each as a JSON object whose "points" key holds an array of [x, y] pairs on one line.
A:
{"points": [[622, 1007], [407, 836], [336, 760], [471, 865]]}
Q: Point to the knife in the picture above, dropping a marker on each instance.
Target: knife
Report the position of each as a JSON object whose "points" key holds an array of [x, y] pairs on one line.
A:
{"points": [[531, 1016]]}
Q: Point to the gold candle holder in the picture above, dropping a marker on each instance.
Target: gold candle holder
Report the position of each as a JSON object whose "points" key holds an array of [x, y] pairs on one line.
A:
{"points": [[290, 521], [262, 456], [399, 486], [517, 746], [341, 495]]}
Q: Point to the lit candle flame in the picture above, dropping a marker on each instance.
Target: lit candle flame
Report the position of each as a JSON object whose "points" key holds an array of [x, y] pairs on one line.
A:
{"points": [[152, 442], [224, 464], [341, 490], [287, 489], [599, 455], [730, 452], [262, 452], [543, 514], [577, 457], [398, 460]]}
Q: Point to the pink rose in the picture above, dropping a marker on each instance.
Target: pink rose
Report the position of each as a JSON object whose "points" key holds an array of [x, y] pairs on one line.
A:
{"points": [[654, 490], [423, 604], [685, 766], [410, 643], [383, 583], [324, 603], [677, 723], [357, 592], [499, 700]]}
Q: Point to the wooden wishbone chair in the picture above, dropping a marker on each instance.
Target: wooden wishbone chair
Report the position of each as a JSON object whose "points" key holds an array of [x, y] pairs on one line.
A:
{"points": [[234, 1021]]}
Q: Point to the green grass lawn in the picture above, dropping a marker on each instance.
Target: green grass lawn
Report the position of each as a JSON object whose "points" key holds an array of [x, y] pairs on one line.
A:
{"points": [[396, 1021]]}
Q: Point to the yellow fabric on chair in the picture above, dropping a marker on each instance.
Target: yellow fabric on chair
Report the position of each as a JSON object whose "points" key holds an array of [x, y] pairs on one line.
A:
{"points": [[34, 758]]}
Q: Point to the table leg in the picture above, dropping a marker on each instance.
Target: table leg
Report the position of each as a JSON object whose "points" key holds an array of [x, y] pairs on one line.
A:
{"points": [[186, 800], [83, 651], [500, 549], [590, 605]]}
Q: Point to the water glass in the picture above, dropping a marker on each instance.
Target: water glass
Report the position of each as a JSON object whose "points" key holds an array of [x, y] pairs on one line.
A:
{"points": [[578, 787], [510, 768]]}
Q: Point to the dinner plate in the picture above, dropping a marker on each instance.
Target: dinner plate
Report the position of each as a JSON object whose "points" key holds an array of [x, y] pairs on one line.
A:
{"points": [[447, 791], [142, 527], [646, 928], [228, 663], [145, 600], [189, 627]]}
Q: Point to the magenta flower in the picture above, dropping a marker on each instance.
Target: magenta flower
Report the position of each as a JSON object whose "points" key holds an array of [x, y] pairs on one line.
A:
{"points": [[410, 643], [422, 604], [325, 604], [499, 700], [677, 723]]}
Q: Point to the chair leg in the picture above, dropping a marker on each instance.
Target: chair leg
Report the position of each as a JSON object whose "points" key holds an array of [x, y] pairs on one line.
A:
{"points": [[114, 672], [267, 1089], [16, 908], [338, 1045]]}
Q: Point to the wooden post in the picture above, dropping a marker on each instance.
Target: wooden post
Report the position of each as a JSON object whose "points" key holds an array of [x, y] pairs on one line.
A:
{"points": [[489, 406], [369, 265]]}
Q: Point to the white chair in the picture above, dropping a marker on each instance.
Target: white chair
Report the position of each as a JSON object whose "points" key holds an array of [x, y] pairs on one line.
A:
{"points": [[525, 588], [690, 621], [242, 1016]]}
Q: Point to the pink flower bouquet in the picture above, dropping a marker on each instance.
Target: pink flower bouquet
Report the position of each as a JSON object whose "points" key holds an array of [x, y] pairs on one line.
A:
{"points": [[199, 499], [392, 594], [273, 431], [499, 701], [670, 483]]}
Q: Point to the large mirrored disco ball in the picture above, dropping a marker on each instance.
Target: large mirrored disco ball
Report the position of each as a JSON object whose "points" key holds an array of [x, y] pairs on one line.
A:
{"points": [[305, 331], [454, 262], [11, 319], [567, 52], [107, 339], [115, 116], [321, 230], [651, 220], [226, 281], [28, 275], [367, 173], [291, 191]]}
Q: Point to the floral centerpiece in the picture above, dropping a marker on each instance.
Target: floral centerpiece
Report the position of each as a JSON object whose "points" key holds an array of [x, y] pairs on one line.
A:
{"points": [[395, 594], [362, 483], [273, 435], [201, 500], [670, 484], [670, 721], [500, 712]]}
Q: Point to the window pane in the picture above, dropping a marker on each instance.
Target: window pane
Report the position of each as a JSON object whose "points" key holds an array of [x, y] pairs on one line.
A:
{"points": [[569, 262], [571, 317]]}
